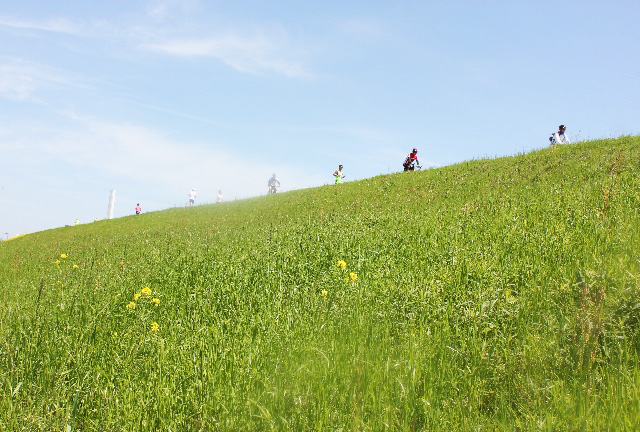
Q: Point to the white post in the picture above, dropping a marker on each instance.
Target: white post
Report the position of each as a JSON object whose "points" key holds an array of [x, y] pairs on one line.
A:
{"points": [[112, 198]]}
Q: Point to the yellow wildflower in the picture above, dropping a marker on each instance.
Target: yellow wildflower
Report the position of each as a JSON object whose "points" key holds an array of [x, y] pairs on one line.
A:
{"points": [[353, 277], [63, 256], [75, 266], [342, 264], [56, 262], [156, 301], [146, 291], [131, 305], [154, 327], [136, 297], [324, 293]]}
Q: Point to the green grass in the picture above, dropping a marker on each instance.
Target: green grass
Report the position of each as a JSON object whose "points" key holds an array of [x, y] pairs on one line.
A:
{"points": [[490, 295]]}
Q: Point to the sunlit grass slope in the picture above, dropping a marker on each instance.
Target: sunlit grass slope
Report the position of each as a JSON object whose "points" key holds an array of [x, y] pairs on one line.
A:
{"points": [[490, 295]]}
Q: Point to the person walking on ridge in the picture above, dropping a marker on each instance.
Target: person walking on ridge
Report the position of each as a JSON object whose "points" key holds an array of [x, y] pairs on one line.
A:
{"points": [[338, 175], [138, 209], [219, 198], [192, 197], [411, 161], [559, 137]]}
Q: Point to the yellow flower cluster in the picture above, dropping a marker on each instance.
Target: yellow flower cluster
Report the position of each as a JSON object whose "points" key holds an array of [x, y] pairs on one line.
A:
{"points": [[64, 257], [141, 297], [324, 293], [144, 293], [342, 265]]}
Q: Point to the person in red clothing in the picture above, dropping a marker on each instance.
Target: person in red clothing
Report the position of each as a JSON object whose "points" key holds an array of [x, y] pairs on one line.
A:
{"points": [[138, 209], [411, 161]]}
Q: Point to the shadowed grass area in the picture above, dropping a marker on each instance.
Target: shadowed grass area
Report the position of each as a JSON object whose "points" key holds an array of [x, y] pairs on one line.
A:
{"points": [[489, 295]]}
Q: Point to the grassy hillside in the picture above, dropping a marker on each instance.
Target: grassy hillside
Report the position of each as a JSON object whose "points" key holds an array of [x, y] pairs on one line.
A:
{"points": [[490, 295]]}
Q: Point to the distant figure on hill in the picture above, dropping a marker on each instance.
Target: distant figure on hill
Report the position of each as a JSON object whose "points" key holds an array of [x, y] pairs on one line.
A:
{"points": [[138, 209], [559, 137], [192, 197], [219, 198], [411, 161], [273, 184], [77, 222], [338, 175]]}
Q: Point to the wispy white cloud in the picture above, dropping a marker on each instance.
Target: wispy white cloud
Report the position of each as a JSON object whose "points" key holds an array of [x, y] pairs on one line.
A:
{"points": [[363, 27], [56, 25], [21, 79], [163, 9], [267, 50], [251, 54], [128, 151], [17, 82], [137, 157], [144, 154], [158, 11]]}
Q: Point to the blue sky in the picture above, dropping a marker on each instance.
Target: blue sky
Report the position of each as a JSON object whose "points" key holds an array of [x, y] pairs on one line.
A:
{"points": [[152, 98]]}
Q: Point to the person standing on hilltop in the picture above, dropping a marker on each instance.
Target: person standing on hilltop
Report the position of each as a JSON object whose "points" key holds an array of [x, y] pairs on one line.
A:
{"points": [[559, 137], [338, 175], [192, 197], [411, 161], [138, 209], [219, 198]]}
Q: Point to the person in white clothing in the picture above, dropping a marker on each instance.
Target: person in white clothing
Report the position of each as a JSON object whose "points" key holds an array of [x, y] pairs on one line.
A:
{"points": [[559, 137], [273, 184], [192, 197], [219, 197]]}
